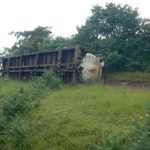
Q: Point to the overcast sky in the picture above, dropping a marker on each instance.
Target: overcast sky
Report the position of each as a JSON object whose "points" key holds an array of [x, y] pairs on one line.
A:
{"points": [[62, 15]]}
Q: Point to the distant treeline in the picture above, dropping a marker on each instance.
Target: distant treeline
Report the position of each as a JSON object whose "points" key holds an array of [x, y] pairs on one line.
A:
{"points": [[114, 28]]}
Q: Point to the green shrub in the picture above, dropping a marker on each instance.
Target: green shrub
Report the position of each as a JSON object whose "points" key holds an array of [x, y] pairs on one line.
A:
{"points": [[51, 79], [135, 66], [14, 128], [18, 136], [17, 103], [116, 62]]}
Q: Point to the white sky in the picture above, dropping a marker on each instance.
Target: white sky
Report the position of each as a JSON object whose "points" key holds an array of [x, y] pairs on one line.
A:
{"points": [[62, 15]]}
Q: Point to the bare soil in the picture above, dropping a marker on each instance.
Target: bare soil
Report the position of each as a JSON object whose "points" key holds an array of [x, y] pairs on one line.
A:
{"points": [[131, 84]]}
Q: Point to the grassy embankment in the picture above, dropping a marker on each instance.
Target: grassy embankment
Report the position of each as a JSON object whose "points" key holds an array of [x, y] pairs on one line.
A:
{"points": [[130, 76], [81, 117]]}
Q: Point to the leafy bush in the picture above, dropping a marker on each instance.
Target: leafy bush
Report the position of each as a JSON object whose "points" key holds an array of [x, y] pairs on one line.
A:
{"points": [[135, 66], [17, 104], [147, 66], [19, 131], [14, 128], [22, 101], [51, 79], [117, 62]]}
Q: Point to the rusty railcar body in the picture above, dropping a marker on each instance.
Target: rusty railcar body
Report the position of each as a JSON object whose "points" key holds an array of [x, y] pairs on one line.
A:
{"points": [[65, 61]]}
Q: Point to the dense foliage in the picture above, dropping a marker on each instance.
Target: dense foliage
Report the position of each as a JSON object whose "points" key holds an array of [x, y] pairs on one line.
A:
{"points": [[114, 28], [120, 30], [40, 39], [29, 41]]}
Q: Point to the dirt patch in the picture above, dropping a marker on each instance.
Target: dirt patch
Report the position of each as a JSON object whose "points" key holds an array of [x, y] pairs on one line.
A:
{"points": [[131, 84]]}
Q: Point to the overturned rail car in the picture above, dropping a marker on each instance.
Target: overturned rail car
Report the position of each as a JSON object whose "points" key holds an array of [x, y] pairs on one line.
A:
{"points": [[65, 61]]}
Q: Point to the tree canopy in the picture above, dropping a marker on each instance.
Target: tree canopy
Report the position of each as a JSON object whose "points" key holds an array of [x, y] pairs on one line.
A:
{"points": [[114, 28], [39, 39], [29, 41], [120, 30]]}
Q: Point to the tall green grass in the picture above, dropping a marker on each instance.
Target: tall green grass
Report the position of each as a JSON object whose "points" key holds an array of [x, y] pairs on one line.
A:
{"points": [[79, 117], [85, 115]]}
